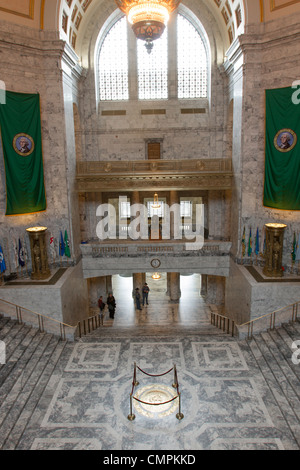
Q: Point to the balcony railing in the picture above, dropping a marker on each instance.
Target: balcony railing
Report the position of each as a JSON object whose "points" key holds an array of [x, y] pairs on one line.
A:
{"points": [[206, 173]]}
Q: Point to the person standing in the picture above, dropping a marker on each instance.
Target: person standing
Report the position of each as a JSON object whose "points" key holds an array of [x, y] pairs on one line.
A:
{"points": [[111, 303], [101, 306], [138, 298], [145, 292]]}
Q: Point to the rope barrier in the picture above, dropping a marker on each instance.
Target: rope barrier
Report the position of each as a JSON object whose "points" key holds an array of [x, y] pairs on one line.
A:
{"points": [[156, 404], [155, 375], [179, 415]]}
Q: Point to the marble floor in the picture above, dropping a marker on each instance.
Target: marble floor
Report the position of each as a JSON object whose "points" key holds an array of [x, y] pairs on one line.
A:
{"points": [[225, 400]]}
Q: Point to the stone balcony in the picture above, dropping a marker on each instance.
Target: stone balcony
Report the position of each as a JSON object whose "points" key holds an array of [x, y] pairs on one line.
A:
{"points": [[133, 256], [163, 175]]}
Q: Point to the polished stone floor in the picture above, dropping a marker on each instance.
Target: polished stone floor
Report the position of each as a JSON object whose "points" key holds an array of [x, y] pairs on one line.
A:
{"points": [[225, 400]]}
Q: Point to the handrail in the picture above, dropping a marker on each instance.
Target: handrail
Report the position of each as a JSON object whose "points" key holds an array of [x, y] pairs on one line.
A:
{"points": [[40, 318], [217, 319], [93, 322], [270, 313], [250, 324]]}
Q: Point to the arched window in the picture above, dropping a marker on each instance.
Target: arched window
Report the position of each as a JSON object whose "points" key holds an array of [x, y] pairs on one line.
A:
{"points": [[115, 58], [153, 69], [113, 63], [191, 61]]}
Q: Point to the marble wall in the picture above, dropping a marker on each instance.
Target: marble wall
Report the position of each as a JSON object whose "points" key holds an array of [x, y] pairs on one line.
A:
{"points": [[36, 62], [183, 135], [65, 301], [247, 299], [266, 57]]}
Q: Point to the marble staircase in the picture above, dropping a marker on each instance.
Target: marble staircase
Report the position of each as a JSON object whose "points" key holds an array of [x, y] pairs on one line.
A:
{"points": [[271, 352], [34, 360], [31, 357]]}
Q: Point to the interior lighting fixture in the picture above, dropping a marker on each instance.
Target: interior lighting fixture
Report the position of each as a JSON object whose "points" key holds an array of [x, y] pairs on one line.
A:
{"points": [[155, 276], [156, 204], [148, 17]]}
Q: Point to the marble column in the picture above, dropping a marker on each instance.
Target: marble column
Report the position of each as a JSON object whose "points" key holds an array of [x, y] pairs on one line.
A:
{"points": [[215, 290], [109, 287], [138, 281], [97, 286], [174, 286], [93, 200], [203, 290], [174, 199], [134, 199]]}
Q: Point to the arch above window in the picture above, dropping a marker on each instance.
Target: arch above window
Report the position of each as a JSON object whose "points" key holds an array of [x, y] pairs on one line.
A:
{"points": [[116, 62]]}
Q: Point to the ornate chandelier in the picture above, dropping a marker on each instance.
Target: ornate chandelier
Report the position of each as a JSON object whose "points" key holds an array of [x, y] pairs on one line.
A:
{"points": [[148, 17], [156, 204]]}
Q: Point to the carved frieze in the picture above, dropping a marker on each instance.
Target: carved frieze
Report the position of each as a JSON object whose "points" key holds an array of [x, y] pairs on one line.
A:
{"points": [[149, 175]]}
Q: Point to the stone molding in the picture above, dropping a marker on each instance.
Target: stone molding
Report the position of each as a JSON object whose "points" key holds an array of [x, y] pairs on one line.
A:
{"points": [[154, 174]]}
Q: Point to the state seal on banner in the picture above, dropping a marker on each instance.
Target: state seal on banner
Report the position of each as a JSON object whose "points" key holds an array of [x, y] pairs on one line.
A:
{"points": [[285, 140], [23, 144]]}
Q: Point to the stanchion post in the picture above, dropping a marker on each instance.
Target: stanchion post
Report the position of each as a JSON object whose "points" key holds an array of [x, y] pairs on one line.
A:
{"points": [[135, 382], [131, 416], [175, 384], [179, 414]]}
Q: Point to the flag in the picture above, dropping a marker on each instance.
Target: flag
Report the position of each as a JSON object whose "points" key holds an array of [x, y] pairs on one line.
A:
{"points": [[257, 242], [263, 242], [52, 247], [250, 244], [61, 246], [21, 257], [282, 150], [67, 245], [294, 248], [244, 243], [16, 253], [2, 261], [20, 124], [297, 257]]}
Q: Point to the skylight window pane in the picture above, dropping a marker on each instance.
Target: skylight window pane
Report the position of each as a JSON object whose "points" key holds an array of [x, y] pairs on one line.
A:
{"points": [[113, 63], [191, 61], [153, 69]]}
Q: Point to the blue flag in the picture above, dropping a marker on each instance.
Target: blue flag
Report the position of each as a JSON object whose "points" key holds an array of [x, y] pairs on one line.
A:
{"points": [[61, 245], [298, 250], [2, 261], [250, 243], [21, 254], [257, 242]]}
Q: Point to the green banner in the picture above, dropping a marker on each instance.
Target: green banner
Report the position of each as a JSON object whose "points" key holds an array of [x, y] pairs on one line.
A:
{"points": [[20, 124], [282, 150]]}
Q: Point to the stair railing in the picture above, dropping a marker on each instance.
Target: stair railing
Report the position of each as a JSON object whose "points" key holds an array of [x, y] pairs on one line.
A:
{"points": [[42, 322], [223, 323], [269, 321], [88, 324]]}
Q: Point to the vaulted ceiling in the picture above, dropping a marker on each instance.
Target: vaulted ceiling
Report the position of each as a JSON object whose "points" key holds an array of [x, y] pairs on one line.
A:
{"points": [[71, 18]]}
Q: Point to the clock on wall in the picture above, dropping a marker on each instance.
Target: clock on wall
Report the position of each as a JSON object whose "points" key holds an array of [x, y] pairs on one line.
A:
{"points": [[155, 263]]}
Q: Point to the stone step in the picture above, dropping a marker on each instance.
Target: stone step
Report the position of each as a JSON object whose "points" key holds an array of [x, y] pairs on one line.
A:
{"points": [[16, 353], [28, 401], [279, 388], [22, 373], [7, 327]]}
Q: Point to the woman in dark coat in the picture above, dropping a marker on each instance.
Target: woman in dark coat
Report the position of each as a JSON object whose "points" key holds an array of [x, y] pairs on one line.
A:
{"points": [[111, 303]]}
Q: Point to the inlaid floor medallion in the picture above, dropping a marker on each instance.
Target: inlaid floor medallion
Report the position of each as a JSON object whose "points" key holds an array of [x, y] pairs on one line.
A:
{"points": [[156, 401]]}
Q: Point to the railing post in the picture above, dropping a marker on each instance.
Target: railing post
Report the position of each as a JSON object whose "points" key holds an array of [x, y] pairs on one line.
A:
{"points": [[131, 416], [41, 324], [179, 415], [19, 314]]}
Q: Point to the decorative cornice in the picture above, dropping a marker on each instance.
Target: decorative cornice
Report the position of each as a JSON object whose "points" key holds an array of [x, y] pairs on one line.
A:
{"points": [[154, 174]]}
